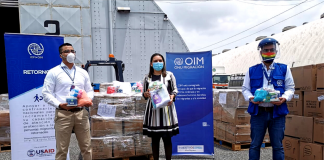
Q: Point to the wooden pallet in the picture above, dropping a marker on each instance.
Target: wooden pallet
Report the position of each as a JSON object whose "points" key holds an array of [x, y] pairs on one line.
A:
{"points": [[136, 157], [150, 157], [5, 147], [238, 146]]}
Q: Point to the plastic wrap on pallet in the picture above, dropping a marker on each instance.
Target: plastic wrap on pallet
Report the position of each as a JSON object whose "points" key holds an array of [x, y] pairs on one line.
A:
{"points": [[4, 134], [102, 147], [140, 104], [97, 98], [229, 100], [4, 118], [125, 104], [101, 126], [220, 130], [143, 144], [123, 147], [236, 116], [4, 102], [133, 125]]}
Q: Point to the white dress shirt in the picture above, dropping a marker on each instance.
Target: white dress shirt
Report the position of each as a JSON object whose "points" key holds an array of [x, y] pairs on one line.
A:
{"points": [[57, 84], [289, 86]]}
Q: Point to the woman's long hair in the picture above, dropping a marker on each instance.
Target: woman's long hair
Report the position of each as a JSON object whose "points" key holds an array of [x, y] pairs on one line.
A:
{"points": [[151, 67]]}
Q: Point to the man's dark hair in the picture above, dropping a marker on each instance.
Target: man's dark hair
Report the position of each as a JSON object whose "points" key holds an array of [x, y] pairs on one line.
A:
{"points": [[64, 44]]}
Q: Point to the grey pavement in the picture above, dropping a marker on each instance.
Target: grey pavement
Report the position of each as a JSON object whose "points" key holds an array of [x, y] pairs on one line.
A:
{"points": [[221, 153]]}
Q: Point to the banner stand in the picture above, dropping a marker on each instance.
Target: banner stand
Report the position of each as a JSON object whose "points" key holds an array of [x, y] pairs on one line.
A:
{"points": [[194, 102], [28, 59]]}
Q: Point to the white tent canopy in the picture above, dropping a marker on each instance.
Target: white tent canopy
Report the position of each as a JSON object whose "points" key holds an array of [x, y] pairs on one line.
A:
{"points": [[303, 45]]}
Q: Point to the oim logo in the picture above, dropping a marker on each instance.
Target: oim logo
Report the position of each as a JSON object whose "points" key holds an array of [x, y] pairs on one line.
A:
{"points": [[35, 49]]}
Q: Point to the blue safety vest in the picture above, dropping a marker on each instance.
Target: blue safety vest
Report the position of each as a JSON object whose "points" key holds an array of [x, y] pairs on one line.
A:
{"points": [[278, 81]]}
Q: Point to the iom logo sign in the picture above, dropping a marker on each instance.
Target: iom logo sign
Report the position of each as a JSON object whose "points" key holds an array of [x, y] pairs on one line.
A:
{"points": [[189, 63], [35, 50]]}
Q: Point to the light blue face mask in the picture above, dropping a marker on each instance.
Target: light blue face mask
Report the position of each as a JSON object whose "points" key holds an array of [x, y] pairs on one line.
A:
{"points": [[158, 66]]}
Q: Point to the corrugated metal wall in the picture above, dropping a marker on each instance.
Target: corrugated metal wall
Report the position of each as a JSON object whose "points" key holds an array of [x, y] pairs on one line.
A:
{"points": [[85, 24], [303, 45]]}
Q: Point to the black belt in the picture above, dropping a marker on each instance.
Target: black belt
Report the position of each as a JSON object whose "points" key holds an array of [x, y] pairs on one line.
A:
{"points": [[267, 109], [72, 110]]}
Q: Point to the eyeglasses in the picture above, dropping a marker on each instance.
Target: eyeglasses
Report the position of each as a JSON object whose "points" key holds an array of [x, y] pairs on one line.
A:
{"points": [[268, 50], [68, 51]]}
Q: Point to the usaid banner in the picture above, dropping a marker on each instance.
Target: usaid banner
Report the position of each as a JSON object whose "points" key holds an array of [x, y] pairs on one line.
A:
{"points": [[28, 58], [194, 102]]}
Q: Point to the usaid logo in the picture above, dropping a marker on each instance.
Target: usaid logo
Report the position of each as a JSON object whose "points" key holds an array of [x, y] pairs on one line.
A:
{"points": [[279, 82], [40, 152], [35, 50], [31, 153], [189, 63]]}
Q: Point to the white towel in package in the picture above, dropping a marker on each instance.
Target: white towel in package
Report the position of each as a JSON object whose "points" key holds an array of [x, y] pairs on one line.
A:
{"points": [[159, 94]]}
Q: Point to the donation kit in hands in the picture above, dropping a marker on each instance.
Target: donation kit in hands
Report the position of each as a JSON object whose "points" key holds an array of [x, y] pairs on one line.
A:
{"points": [[159, 94], [78, 97], [266, 95]]}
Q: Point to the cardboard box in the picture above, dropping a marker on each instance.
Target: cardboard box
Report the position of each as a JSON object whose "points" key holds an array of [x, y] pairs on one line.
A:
{"points": [[215, 128], [220, 134], [238, 133], [320, 77], [297, 73], [101, 147], [299, 126], [311, 151], [291, 148], [123, 147], [143, 144], [236, 116], [296, 105], [101, 127], [319, 130], [313, 107], [4, 118], [309, 78], [217, 112], [133, 125]]}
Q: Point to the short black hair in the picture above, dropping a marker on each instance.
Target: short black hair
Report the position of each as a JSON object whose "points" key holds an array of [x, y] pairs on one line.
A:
{"points": [[64, 44]]}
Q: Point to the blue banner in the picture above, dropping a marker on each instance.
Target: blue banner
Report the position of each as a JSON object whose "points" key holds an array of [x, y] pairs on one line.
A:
{"points": [[28, 59], [194, 102]]}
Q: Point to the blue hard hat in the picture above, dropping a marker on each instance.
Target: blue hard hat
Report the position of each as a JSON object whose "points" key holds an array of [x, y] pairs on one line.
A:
{"points": [[267, 41]]}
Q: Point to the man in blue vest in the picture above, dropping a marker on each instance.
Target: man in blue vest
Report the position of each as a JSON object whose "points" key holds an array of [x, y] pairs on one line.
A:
{"points": [[271, 116]]}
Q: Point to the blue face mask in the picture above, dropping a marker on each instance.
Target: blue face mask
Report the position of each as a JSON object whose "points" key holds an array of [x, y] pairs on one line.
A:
{"points": [[158, 66]]}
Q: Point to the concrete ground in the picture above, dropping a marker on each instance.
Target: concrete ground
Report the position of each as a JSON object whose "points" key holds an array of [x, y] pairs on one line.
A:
{"points": [[221, 153]]}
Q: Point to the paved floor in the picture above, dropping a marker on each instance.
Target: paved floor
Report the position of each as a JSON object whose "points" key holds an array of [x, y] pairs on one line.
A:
{"points": [[221, 153]]}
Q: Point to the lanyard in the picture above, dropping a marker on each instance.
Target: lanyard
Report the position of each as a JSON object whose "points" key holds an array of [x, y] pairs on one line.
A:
{"points": [[266, 75], [72, 79]]}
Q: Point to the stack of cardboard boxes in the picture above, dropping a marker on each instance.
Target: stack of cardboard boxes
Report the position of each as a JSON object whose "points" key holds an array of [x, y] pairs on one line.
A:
{"points": [[305, 123], [4, 119], [120, 134], [231, 119]]}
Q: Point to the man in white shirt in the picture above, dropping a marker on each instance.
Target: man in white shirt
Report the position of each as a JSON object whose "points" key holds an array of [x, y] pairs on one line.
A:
{"points": [[271, 116], [57, 85]]}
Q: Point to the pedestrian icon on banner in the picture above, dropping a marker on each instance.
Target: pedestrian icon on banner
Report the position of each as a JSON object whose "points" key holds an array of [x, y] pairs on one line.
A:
{"points": [[38, 98]]}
